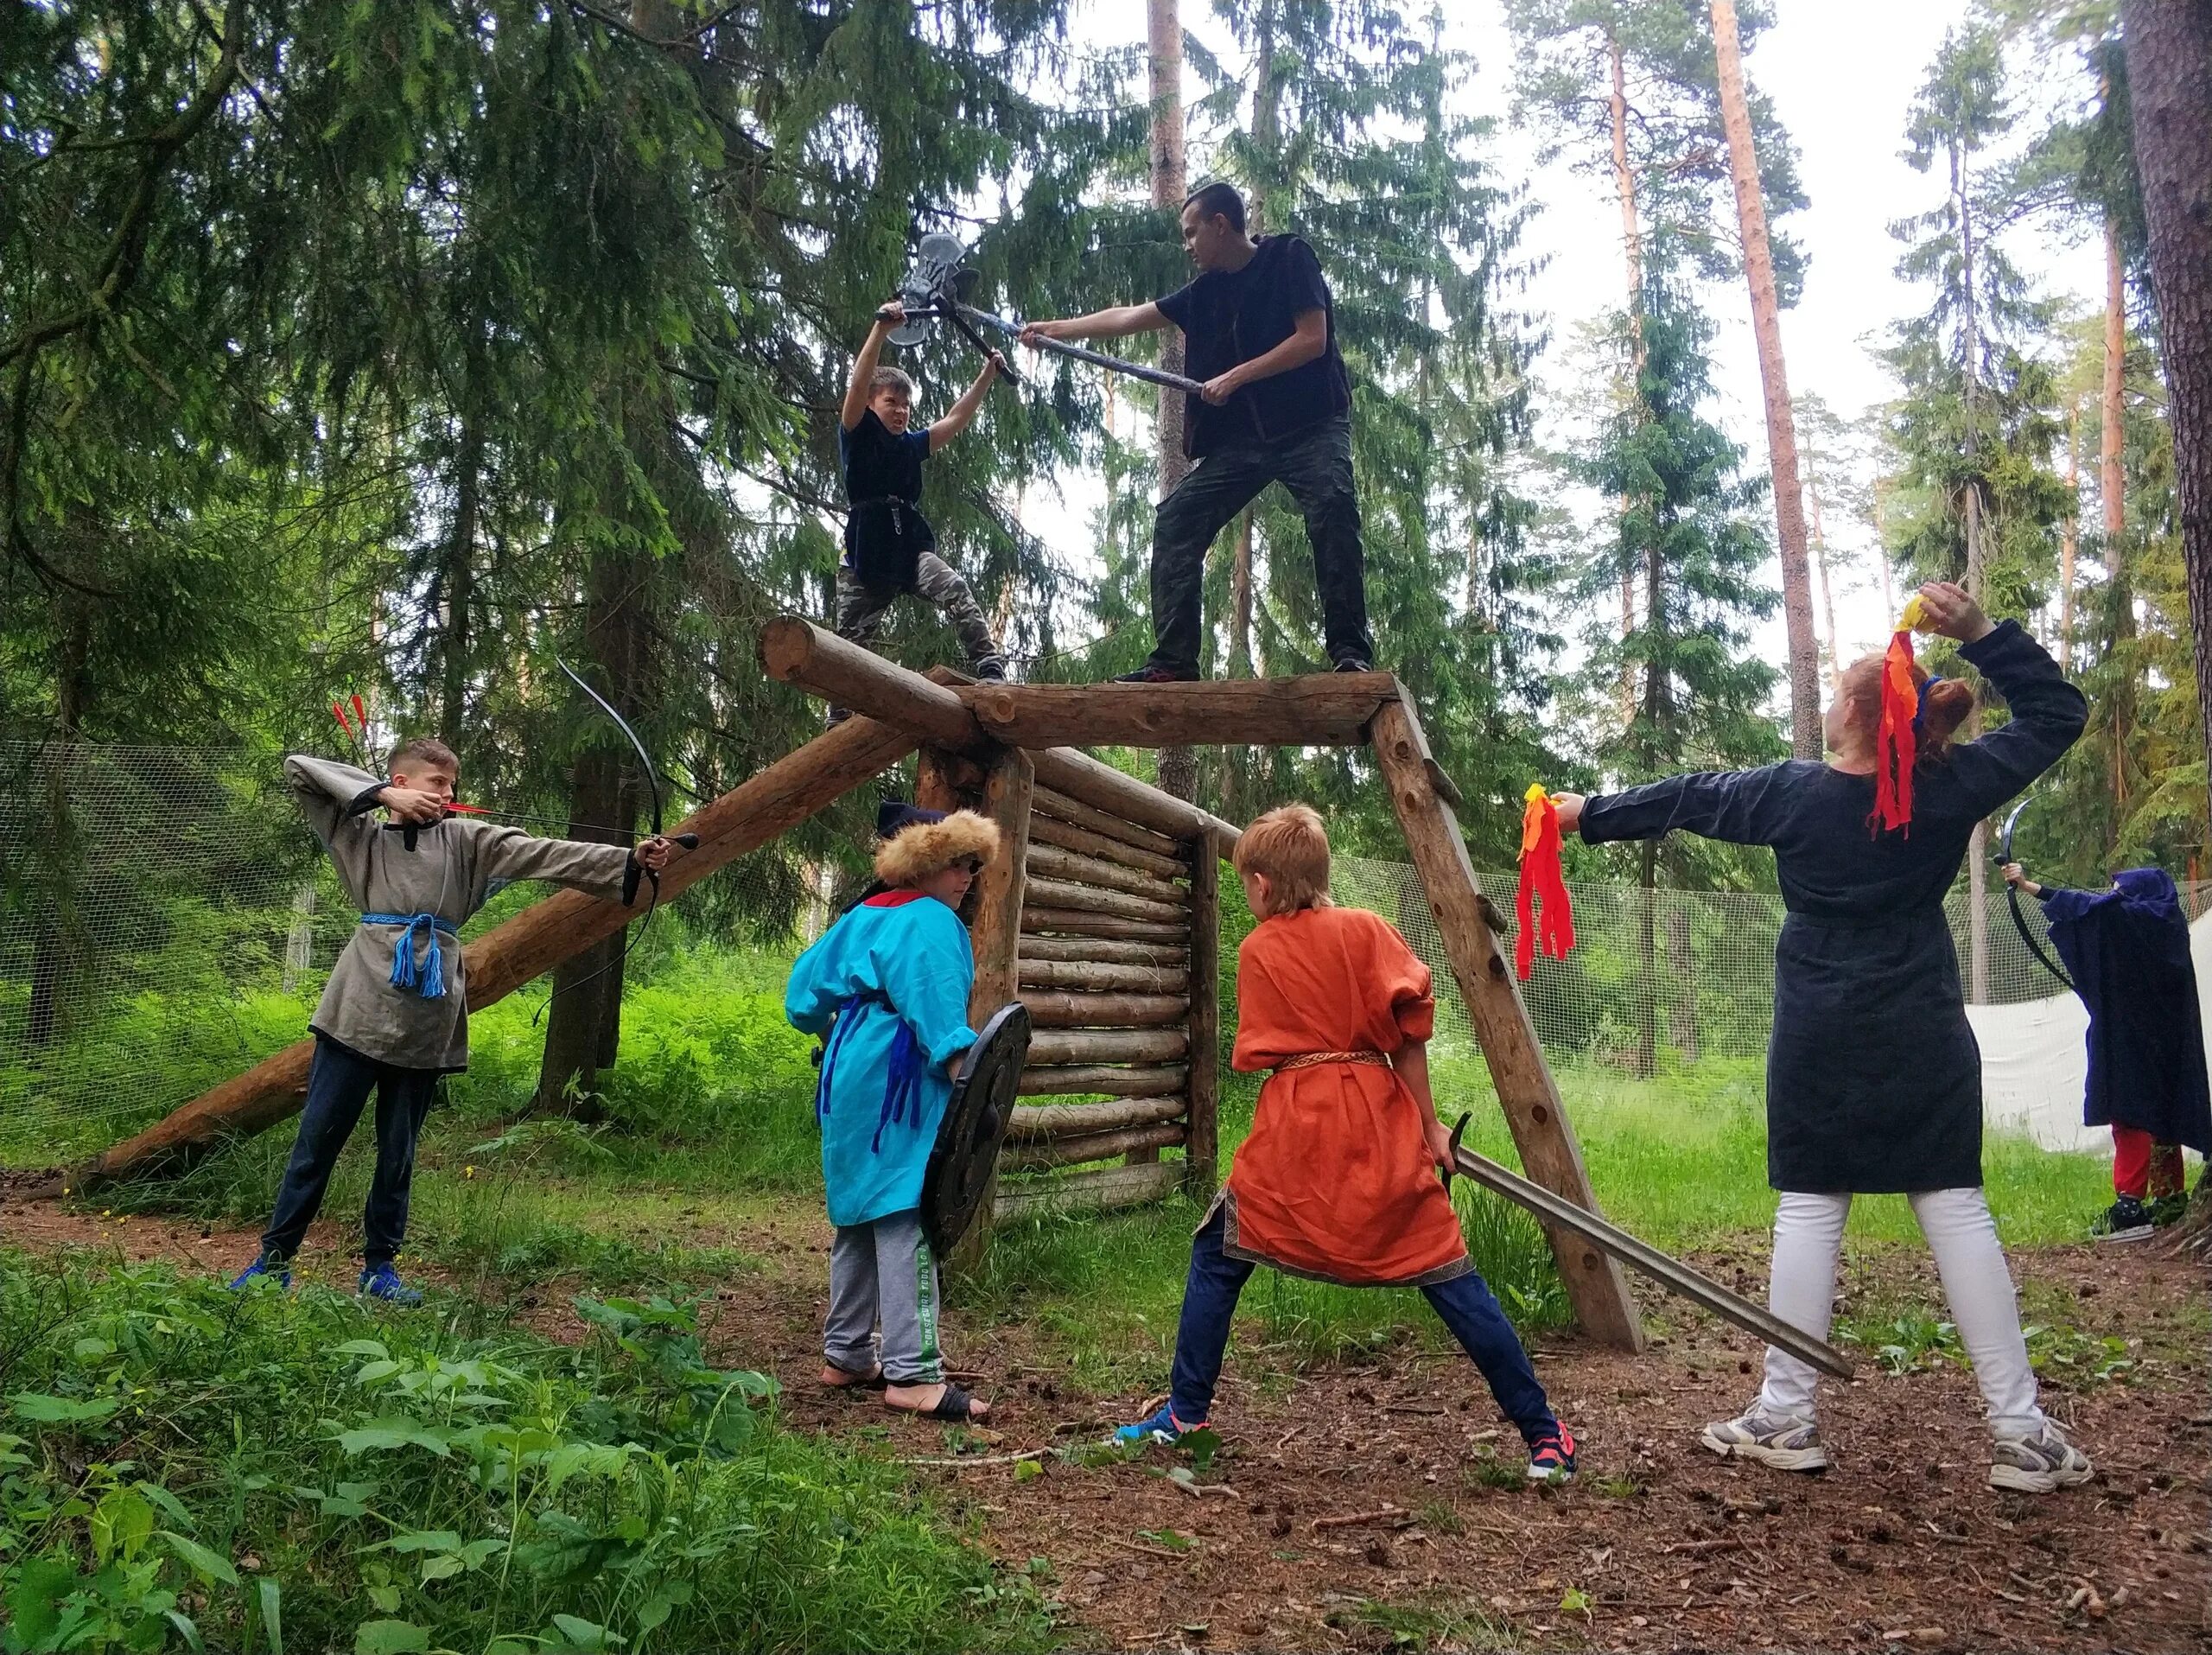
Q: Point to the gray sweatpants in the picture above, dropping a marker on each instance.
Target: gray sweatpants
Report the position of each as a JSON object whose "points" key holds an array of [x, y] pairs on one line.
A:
{"points": [[884, 1271], [860, 608]]}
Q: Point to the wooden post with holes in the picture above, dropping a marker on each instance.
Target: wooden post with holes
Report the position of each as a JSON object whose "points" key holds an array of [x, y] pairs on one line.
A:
{"points": [[1202, 1146], [1549, 1154], [994, 930]]}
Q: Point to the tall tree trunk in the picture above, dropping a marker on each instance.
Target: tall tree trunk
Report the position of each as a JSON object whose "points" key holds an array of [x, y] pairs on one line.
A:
{"points": [[1820, 540], [1780, 427], [1632, 253], [2070, 539], [2112, 490], [2169, 45], [51, 955], [1179, 765]]}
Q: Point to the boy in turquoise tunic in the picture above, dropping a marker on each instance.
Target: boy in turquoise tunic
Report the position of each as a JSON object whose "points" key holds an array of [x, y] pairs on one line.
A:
{"points": [[888, 984]]}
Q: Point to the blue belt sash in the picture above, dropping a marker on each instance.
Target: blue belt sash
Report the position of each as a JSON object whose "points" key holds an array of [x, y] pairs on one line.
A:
{"points": [[428, 979], [904, 1084]]}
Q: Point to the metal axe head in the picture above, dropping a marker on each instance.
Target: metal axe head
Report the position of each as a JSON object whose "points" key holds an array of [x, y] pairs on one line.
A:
{"points": [[1459, 1131]]}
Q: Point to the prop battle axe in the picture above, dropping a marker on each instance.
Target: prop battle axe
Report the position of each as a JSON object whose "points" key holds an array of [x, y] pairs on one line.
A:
{"points": [[938, 288]]}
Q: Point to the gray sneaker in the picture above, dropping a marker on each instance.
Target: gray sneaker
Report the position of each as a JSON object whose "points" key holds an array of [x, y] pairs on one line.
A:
{"points": [[1785, 1444], [2039, 1464]]}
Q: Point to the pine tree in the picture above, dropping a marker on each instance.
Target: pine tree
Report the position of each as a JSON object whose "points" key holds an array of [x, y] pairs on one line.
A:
{"points": [[1691, 542]]}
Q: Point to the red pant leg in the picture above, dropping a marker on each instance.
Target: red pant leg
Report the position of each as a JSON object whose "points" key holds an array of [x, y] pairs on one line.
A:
{"points": [[2130, 1161]]}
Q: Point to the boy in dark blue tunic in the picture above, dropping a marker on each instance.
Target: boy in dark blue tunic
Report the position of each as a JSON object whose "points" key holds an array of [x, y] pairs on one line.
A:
{"points": [[1873, 1078], [2128, 950], [890, 548]]}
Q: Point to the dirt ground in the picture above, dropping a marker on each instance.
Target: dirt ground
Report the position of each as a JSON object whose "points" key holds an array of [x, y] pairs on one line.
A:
{"points": [[1348, 1507]]}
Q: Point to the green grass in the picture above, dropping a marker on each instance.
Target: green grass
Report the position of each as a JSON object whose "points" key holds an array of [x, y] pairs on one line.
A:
{"points": [[184, 1466]]}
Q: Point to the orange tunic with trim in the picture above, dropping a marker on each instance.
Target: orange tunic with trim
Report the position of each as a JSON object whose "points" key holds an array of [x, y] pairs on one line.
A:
{"points": [[1335, 1181]]}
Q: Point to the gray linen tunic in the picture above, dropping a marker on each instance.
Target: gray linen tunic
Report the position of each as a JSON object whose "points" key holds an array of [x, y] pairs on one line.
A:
{"points": [[446, 868]]}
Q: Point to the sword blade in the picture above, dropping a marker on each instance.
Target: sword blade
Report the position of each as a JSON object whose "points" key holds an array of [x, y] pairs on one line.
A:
{"points": [[1669, 1271]]}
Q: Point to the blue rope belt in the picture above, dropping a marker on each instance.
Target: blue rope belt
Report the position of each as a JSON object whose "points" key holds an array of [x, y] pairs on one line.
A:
{"points": [[428, 979], [907, 1068]]}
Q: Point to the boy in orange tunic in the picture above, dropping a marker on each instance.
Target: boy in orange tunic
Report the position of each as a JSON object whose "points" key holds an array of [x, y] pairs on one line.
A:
{"points": [[1339, 1179]]}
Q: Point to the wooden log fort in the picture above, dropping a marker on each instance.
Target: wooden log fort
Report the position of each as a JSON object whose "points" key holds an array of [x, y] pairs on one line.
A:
{"points": [[1119, 921]]}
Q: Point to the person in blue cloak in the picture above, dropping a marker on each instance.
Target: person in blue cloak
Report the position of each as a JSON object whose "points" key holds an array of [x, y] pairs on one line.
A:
{"points": [[888, 985], [2128, 950]]}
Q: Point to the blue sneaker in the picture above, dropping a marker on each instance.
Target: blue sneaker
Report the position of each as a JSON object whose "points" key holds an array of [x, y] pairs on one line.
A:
{"points": [[1161, 1426], [1551, 1456], [382, 1281], [262, 1266]]}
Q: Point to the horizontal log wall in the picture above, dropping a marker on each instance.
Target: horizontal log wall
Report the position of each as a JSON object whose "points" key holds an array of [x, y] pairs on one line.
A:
{"points": [[1090, 899], [1051, 829], [1104, 1190], [1049, 1008], [1101, 977], [1105, 824], [1080, 922], [1143, 1080], [1106, 950], [1034, 1125], [1094, 1146], [1053, 862]]}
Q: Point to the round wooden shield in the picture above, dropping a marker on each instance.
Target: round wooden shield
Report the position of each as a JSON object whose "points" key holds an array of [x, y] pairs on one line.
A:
{"points": [[968, 1140]]}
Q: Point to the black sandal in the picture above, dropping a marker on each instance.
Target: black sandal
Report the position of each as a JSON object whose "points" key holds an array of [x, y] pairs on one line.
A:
{"points": [[874, 1381], [955, 1405]]}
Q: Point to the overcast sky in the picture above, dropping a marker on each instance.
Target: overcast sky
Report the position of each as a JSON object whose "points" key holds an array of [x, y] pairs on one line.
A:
{"points": [[1841, 76]]}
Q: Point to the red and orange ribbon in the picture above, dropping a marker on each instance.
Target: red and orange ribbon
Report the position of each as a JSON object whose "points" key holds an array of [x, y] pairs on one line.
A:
{"points": [[1896, 742], [1542, 876]]}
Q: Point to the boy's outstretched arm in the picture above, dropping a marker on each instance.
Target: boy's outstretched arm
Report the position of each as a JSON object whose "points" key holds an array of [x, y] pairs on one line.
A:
{"points": [[1113, 322], [864, 363], [962, 414]]}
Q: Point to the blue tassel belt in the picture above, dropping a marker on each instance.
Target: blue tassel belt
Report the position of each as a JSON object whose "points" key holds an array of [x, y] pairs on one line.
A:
{"points": [[429, 979], [904, 1087]]}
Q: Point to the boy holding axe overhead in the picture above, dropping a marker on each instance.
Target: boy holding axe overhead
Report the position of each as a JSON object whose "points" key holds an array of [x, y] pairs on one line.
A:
{"points": [[890, 548], [1259, 326]]}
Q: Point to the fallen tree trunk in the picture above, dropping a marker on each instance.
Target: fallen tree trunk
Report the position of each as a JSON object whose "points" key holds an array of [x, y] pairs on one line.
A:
{"points": [[535, 940]]}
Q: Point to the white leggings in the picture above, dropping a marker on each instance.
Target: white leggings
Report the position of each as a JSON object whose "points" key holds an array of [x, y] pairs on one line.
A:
{"points": [[1808, 1236]]}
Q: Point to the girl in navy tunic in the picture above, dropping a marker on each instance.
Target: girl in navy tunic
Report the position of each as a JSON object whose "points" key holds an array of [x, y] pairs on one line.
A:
{"points": [[1873, 1078]]}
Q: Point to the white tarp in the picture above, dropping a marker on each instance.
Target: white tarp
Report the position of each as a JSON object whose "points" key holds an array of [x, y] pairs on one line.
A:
{"points": [[2034, 1059]]}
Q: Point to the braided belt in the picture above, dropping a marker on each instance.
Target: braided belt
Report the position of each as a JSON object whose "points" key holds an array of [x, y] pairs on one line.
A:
{"points": [[1309, 1060]]}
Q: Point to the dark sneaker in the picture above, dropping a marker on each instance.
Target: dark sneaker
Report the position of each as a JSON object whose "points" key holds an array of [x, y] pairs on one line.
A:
{"points": [[990, 670], [382, 1281], [1551, 1456], [1150, 674], [1160, 1426], [1353, 664], [2169, 1209], [263, 1267], [837, 715], [2126, 1219], [2041, 1464], [1772, 1440]]}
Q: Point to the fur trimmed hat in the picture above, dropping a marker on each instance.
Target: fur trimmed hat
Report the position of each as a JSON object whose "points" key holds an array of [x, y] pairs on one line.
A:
{"points": [[924, 848]]}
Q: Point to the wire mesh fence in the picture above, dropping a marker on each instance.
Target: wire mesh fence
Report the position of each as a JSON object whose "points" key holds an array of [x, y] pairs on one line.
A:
{"points": [[168, 921]]}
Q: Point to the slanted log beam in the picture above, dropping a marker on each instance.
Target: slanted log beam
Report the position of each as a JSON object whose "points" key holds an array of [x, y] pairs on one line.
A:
{"points": [[796, 650], [527, 946]]}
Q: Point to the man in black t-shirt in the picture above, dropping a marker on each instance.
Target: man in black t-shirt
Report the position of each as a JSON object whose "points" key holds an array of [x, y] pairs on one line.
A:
{"points": [[1259, 331], [890, 548]]}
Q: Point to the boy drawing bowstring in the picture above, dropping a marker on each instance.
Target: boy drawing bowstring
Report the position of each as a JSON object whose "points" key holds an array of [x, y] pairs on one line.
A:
{"points": [[890, 548], [394, 1015], [1337, 1180]]}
